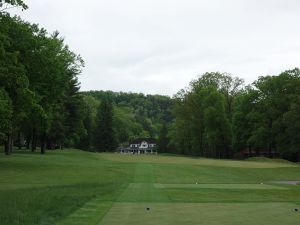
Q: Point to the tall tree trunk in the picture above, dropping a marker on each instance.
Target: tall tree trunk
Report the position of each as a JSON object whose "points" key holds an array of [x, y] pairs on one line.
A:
{"points": [[19, 141], [28, 143], [6, 147], [33, 140], [11, 144], [270, 139], [270, 151], [227, 152], [201, 144], [226, 155], [43, 143]]}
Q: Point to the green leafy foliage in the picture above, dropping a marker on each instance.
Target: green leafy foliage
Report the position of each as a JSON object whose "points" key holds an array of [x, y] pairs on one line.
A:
{"points": [[267, 116], [39, 74], [203, 116], [5, 114]]}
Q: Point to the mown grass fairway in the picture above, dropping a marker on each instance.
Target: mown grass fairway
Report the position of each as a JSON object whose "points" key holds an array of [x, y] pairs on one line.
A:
{"points": [[80, 188]]}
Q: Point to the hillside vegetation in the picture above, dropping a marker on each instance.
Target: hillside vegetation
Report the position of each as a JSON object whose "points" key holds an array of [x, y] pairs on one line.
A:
{"points": [[134, 115]]}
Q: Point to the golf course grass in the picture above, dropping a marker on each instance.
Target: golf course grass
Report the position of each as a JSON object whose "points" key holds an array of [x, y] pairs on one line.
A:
{"points": [[81, 188]]}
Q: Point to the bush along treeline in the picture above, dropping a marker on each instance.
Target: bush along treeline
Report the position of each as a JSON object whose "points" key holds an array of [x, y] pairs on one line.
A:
{"points": [[40, 104], [216, 116]]}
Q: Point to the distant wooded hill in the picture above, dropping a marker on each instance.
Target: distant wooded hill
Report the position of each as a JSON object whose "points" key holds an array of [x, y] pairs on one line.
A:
{"points": [[134, 115]]}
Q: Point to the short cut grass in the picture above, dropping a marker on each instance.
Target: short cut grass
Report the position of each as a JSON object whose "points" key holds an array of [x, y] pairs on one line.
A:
{"points": [[73, 187]]}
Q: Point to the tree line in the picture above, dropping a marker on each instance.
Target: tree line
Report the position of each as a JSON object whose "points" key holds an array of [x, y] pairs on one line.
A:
{"points": [[40, 104], [217, 116]]}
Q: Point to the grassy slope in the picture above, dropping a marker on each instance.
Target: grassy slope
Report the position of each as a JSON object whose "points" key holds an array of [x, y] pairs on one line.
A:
{"points": [[74, 187]]}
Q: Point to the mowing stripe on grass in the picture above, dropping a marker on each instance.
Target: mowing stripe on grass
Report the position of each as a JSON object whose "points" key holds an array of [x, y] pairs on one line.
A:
{"points": [[143, 189], [143, 173], [142, 192], [221, 186], [90, 214]]}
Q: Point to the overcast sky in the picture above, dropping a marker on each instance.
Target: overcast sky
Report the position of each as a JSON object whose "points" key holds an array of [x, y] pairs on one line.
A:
{"points": [[159, 46]]}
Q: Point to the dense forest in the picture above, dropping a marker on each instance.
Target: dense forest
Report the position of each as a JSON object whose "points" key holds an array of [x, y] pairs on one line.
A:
{"points": [[216, 116]]}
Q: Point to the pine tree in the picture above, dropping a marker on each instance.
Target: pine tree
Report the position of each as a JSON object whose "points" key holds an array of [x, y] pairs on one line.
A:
{"points": [[104, 136], [163, 139]]}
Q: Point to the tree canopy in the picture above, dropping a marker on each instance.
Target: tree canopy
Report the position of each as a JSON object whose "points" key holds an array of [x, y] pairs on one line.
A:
{"points": [[39, 86], [7, 4]]}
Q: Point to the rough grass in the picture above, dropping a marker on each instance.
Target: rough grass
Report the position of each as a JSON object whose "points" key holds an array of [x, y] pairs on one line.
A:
{"points": [[79, 188], [197, 161], [265, 159]]}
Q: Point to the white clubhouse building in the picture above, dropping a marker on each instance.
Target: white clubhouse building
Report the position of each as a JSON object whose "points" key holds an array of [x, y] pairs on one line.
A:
{"points": [[140, 146]]}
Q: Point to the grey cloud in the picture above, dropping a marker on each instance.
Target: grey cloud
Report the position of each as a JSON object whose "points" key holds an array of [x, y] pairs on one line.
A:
{"points": [[158, 46]]}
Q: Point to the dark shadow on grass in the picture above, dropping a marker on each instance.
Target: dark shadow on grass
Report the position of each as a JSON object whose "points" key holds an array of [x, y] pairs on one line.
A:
{"points": [[47, 205]]}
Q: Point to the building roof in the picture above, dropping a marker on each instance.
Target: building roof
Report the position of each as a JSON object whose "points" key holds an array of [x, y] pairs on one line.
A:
{"points": [[140, 140]]}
